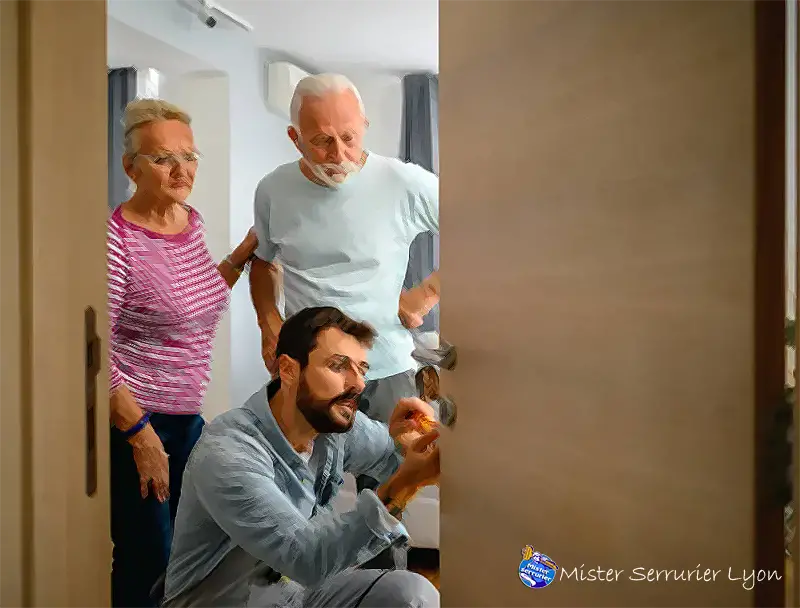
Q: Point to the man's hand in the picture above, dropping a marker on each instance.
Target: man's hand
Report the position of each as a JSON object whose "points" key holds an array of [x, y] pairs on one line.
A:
{"points": [[421, 465], [410, 305], [152, 463], [420, 468], [417, 302], [404, 426]]}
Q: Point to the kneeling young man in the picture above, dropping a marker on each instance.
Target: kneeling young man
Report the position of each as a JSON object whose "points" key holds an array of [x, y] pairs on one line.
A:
{"points": [[255, 510]]}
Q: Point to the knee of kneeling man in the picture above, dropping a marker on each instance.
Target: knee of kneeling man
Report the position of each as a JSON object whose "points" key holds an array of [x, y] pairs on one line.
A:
{"points": [[402, 588]]}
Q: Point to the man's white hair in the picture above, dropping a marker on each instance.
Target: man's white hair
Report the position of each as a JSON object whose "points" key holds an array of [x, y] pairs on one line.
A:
{"points": [[318, 85]]}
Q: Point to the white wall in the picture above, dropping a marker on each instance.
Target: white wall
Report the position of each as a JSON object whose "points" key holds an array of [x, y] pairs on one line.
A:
{"points": [[382, 95], [206, 97]]}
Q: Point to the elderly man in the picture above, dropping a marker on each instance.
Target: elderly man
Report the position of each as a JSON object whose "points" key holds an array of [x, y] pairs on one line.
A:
{"points": [[257, 493], [339, 223]]}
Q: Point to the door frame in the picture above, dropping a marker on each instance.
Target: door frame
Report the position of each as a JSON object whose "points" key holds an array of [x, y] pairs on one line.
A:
{"points": [[54, 191], [770, 289]]}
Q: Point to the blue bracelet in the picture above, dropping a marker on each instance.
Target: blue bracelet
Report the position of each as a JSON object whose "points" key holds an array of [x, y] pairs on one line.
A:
{"points": [[138, 426]]}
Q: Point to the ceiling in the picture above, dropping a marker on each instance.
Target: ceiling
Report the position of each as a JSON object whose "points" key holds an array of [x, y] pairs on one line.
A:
{"points": [[127, 46], [400, 35]]}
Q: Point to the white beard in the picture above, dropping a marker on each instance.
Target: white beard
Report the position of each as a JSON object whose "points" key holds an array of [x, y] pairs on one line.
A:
{"points": [[341, 172]]}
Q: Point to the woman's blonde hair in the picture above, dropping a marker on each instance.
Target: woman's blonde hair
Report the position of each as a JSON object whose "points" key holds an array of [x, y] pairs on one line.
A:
{"points": [[141, 112]]}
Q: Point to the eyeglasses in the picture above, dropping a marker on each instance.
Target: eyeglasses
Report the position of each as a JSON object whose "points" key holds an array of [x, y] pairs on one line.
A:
{"points": [[172, 160]]}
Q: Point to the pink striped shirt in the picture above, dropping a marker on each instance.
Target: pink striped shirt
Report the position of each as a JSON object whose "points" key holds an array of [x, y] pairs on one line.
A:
{"points": [[165, 300]]}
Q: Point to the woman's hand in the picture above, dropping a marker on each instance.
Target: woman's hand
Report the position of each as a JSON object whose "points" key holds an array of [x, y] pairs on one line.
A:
{"points": [[152, 463], [244, 250], [249, 244], [232, 266]]}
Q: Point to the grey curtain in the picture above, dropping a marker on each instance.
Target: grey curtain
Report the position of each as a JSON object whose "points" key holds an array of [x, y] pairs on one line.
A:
{"points": [[419, 144], [121, 91]]}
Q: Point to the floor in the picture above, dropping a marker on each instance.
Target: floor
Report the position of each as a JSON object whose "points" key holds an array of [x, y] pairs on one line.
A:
{"points": [[426, 563]]}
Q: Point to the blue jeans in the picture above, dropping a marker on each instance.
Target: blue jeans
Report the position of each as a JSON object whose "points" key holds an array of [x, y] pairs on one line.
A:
{"points": [[141, 529]]}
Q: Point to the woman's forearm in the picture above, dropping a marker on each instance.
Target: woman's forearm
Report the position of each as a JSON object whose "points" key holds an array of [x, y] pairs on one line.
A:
{"points": [[232, 266], [229, 272], [124, 411]]}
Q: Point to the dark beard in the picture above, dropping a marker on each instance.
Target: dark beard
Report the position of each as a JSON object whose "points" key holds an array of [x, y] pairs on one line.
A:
{"points": [[318, 412]]}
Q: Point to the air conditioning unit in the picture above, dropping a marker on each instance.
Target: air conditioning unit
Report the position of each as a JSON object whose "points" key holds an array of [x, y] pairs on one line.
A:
{"points": [[280, 80]]}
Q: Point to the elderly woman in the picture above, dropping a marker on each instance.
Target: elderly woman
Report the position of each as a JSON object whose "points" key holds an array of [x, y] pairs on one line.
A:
{"points": [[166, 296]]}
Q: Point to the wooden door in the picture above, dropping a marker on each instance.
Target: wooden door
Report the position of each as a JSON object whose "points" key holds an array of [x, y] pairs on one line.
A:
{"points": [[53, 112], [792, 274], [612, 183]]}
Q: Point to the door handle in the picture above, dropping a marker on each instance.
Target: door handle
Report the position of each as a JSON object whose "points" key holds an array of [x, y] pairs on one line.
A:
{"points": [[92, 368], [448, 412], [444, 355], [427, 380]]}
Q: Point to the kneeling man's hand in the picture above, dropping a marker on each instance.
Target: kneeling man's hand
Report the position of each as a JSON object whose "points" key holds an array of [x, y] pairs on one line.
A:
{"points": [[420, 468], [404, 425], [421, 465]]}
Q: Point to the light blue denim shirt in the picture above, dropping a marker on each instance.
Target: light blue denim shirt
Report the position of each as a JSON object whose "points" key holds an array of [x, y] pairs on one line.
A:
{"points": [[250, 506]]}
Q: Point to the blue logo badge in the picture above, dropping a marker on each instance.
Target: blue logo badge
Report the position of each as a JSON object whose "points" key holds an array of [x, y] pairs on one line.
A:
{"points": [[536, 570]]}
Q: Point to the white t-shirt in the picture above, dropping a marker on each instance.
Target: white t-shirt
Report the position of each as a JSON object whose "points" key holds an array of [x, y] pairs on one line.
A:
{"points": [[348, 247], [306, 456]]}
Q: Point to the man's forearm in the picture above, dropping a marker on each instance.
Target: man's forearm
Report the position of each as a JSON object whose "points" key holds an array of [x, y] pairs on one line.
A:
{"points": [[264, 285], [395, 494], [264, 522]]}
